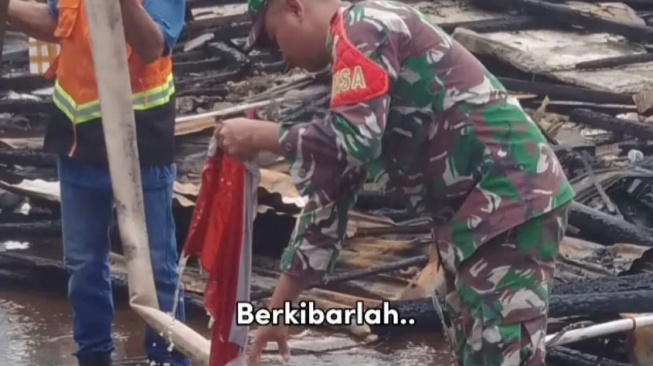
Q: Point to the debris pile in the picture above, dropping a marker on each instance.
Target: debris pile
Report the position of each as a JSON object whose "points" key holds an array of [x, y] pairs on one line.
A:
{"points": [[582, 70]]}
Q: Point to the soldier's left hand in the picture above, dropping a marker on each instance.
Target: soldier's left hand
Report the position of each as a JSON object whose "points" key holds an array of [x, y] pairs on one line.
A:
{"points": [[236, 138]]}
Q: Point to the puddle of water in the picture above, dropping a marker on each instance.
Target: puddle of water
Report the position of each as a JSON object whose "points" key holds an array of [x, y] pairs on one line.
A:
{"points": [[35, 329], [36, 322], [426, 351]]}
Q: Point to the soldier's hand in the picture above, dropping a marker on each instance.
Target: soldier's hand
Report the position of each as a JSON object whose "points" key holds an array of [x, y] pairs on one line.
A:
{"points": [[265, 334], [236, 138]]}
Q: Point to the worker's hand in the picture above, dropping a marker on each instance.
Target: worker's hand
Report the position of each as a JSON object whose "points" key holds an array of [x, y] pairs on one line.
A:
{"points": [[236, 138], [265, 334]]}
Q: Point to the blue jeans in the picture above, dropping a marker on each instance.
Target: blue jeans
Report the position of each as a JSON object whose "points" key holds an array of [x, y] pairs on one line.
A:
{"points": [[87, 214]]}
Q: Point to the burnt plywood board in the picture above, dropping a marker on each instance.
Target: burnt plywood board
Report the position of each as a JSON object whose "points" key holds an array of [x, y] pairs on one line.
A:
{"points": [[555, 53]]}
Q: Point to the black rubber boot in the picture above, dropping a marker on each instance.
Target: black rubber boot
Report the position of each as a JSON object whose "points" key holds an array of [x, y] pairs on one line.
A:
{"points": [[98, 359]]}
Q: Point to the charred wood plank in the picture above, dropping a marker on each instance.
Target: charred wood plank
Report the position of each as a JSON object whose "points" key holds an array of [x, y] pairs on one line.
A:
{"points": [[565, 15], [271, 68], [23, 83], [265, 58], [195, 55], [609, 123], [606, 63], [605, 229], [199, 25], [564, 356], [19, 260], [563, 92], [36, 229], [500, 24], [358, 274], [231, 32], [641, 191], [575, 147], [588, 305], [25, 106], [230, 52], [28, 158], [218, 91], [635, 4], [635, 282], [199, 66], [208, 79], [20, 126], [601, 304]]}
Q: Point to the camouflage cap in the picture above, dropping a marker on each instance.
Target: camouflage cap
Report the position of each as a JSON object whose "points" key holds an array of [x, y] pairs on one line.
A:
{"points": [[256, 9]]}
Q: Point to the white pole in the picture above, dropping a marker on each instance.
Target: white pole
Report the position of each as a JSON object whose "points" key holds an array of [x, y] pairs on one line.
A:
{"points": [[576, 335], [112, 74]]}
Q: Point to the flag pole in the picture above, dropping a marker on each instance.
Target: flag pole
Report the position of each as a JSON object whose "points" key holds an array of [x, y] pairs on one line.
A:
{"points": [[108, 47]]}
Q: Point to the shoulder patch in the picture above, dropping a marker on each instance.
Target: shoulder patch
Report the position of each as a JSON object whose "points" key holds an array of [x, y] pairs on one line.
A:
{"points": [[356, 78]]}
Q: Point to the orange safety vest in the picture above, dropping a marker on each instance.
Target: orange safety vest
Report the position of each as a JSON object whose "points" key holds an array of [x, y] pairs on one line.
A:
{"points": [[76, 93]]}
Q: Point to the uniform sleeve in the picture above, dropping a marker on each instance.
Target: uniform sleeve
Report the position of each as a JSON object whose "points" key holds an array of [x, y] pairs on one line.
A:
{"points": [[169, 16], [328, 157]]}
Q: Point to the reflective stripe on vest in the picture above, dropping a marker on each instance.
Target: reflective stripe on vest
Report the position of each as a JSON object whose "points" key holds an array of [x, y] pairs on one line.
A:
{"points": [[80, 113]]}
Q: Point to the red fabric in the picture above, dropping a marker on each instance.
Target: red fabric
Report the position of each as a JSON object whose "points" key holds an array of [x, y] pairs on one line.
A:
{"points": [[356, 78], [215, 237]]}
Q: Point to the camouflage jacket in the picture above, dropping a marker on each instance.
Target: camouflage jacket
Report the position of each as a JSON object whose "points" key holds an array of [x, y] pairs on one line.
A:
{"points": [[416, 112]]}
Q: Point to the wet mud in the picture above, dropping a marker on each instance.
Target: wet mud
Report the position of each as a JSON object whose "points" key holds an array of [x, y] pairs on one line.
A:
{"points": [[36, 328]]}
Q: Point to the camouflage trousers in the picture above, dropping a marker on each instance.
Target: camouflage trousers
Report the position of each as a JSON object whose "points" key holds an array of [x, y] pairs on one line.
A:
{"points": [[497, 300]]}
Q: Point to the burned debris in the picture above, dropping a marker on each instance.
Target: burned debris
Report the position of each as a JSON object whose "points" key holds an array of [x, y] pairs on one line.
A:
{"points": [[581, 69]]}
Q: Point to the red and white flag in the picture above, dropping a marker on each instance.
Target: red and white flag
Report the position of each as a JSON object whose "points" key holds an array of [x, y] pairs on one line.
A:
{"points": [[220, 235]]}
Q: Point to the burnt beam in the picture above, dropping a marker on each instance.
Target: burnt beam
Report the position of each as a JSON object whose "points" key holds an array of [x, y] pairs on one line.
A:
{"points": [[609, 123], [564, 92], [199, 66], [500, 24], [36, 229], [636, 282], [610, 62], [26, 82], [568, 356], [565, 15], [24, 106], [28, 158], [589, 305], [606, 229]]}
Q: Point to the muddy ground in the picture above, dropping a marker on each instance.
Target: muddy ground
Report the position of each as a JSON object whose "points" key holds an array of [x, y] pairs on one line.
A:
{"points": [[35, 327]]}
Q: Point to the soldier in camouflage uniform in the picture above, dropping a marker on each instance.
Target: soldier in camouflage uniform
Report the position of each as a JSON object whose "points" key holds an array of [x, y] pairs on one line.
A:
{"points": [[417, 113]]}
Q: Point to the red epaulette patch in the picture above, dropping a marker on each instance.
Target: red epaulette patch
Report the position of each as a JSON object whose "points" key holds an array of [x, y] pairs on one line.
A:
{"points": [[356, 78]]}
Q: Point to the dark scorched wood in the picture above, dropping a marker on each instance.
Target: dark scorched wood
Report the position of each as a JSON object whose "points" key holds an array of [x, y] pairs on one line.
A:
{"points": [[565, 15], [635, 282], [604, 229], [563, 356], [564, 92], [609, 123], [610, 62], [590, 305]]}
